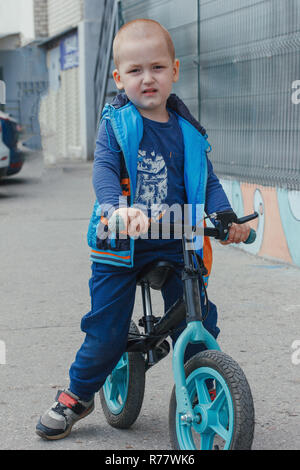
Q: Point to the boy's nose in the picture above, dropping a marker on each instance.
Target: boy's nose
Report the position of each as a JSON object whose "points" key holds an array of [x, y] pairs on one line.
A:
{"points": [[148, 78]]}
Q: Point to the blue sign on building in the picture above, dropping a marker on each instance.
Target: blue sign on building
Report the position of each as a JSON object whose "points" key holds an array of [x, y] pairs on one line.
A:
{"points": [[69, 52]]}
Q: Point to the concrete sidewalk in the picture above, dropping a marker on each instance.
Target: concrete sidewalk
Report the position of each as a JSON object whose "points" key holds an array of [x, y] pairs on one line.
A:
{"points": [[45, 268]]}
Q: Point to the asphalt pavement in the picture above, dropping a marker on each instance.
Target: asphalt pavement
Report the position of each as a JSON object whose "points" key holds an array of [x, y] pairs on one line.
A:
{"points": [[45, 268]]}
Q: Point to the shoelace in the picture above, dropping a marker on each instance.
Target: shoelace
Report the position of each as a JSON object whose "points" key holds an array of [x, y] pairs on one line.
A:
{"points": [[59, 408]]}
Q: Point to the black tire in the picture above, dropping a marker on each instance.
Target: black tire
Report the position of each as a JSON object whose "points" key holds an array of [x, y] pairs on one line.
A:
{"points": [[236, 382], [135, 394]]}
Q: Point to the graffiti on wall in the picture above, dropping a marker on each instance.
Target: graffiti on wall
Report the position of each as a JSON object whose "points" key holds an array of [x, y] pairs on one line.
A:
{"points": [[278, 224]]}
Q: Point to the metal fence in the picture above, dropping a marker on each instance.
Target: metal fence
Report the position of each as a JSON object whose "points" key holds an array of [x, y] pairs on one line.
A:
{"points": [[103, 66], [239, 61]]}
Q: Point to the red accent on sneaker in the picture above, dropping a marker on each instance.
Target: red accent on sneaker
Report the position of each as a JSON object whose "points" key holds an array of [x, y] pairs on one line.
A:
{"points": [[213, 394], [66, 400]]}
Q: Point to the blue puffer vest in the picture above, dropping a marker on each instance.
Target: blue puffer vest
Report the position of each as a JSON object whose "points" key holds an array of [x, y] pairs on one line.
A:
{"points": [[127, 124]]}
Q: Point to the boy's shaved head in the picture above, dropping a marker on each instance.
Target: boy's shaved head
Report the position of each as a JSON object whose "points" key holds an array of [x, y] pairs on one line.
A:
{"points": [[140, 29]]}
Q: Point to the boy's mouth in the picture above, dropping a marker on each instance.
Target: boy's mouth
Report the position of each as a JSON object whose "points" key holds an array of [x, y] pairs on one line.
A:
{"points": [[149, 91]]}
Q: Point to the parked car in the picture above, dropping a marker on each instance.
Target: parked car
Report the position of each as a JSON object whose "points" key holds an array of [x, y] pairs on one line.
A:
{"points": [[4, 155], [10, 136]]}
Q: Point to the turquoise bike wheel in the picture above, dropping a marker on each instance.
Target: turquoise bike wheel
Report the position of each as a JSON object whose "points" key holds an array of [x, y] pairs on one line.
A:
{"points": [[115, 388], [223, 422], [123, 391]]}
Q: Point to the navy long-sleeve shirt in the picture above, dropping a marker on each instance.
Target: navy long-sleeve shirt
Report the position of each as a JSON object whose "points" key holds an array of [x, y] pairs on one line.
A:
{"points": [[160, 169]]}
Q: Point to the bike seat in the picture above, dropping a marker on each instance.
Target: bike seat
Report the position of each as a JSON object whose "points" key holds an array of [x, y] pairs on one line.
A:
{"points": [[156, 274]]}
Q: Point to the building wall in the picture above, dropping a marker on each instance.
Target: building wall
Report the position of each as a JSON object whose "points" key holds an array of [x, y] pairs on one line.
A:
{"points": [[60, 120], [63, 14], [59, 113], [67, 112], [10, 43], [16, 16], [40, 12]]}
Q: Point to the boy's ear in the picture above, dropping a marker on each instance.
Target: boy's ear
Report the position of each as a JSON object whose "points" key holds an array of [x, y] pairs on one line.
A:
{"points": [[176, 67], [117, 79]]}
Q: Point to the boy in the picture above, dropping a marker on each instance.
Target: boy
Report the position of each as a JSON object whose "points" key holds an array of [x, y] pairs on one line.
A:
{"points": [[150, 151]]}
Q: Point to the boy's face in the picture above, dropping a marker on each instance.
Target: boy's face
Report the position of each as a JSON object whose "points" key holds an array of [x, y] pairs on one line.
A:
{"points": [[146, 72]]}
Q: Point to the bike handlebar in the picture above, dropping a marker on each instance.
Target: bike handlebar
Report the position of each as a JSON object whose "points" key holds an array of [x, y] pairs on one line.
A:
{"points": [[222, 221]]}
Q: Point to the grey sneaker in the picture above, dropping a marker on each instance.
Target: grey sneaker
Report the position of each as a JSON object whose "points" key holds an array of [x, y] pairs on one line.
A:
{"points": [[57, 422]]}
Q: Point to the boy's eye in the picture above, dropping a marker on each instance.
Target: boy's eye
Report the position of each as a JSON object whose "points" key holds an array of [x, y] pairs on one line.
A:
{"points": [[134, 71]]}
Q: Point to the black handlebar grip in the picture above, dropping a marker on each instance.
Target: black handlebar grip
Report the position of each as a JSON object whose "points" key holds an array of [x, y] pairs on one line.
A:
{"points": [[247, 218]]}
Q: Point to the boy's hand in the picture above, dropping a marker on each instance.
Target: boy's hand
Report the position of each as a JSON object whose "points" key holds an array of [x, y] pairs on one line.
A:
{"points": [[237, 234], [135, 221]]}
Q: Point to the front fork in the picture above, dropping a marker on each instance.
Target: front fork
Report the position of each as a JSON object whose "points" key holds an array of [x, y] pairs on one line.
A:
{"points": [[194, 332]]}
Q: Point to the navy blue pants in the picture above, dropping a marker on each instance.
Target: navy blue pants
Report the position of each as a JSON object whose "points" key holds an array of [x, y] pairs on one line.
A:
{"points": [[112, 291]]}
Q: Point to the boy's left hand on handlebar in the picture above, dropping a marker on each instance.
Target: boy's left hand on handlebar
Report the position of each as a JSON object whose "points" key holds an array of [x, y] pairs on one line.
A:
{"points": [[237, 234]]}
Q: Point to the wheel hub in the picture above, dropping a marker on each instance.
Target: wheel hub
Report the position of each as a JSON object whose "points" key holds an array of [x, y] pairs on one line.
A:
{"points": [[201, 422]]}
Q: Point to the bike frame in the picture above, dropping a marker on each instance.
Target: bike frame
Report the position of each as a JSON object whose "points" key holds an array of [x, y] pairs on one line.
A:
{"points": [[193, 333], [193, 408], [188, 307]]}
